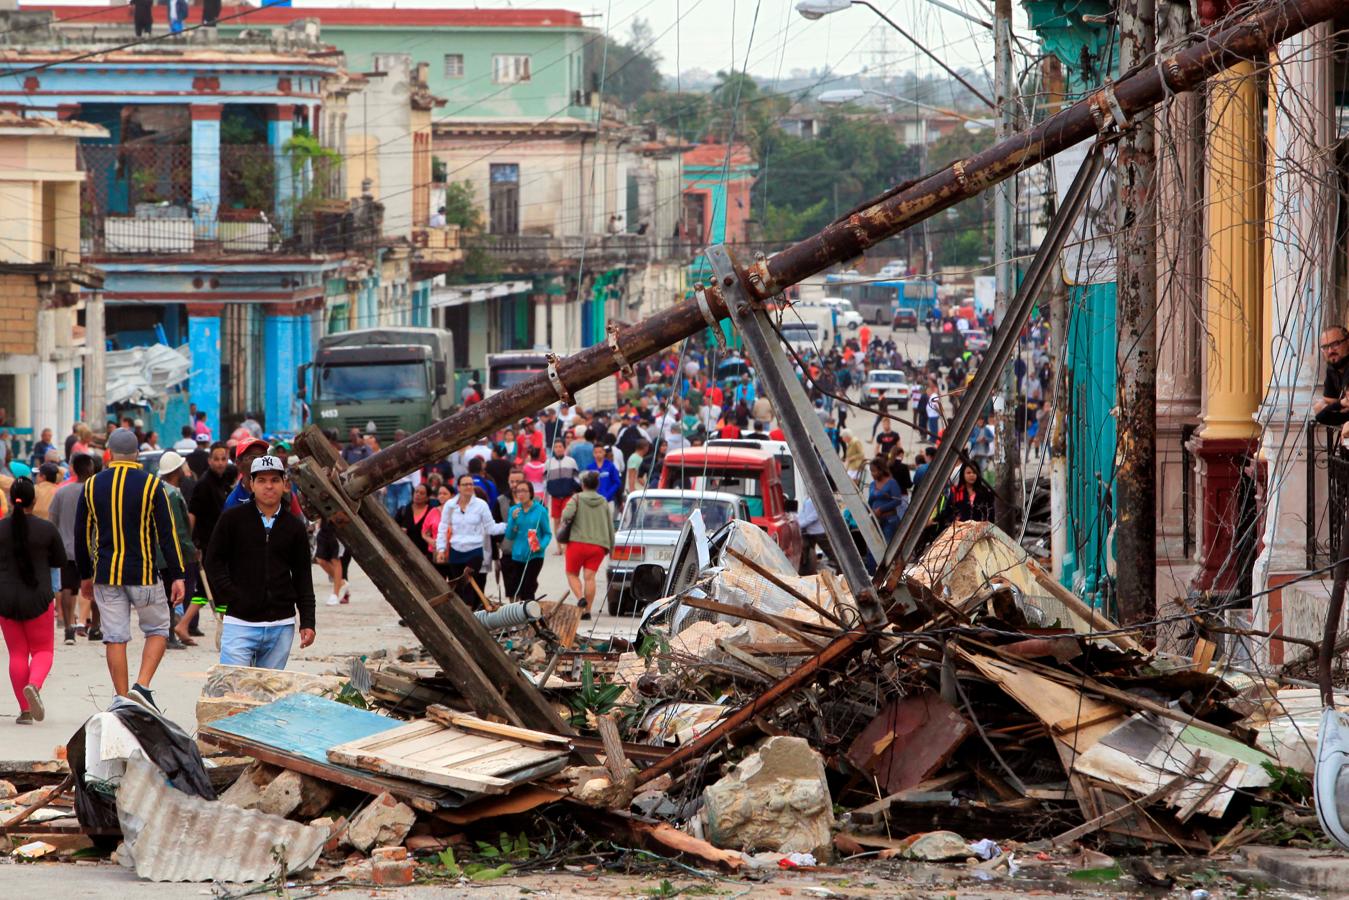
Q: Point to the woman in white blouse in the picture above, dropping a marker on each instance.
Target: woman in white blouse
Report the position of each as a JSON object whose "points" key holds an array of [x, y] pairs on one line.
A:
{"points": [[465, 533]]}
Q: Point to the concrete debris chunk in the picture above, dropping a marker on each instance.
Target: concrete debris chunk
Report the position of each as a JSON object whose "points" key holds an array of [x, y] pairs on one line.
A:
{"points": [[775, 799], [940, 846], [383, 823]]}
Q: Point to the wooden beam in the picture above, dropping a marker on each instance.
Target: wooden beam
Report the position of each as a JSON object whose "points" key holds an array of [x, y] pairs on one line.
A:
{"points": [[1121, 812], [489, 680]]}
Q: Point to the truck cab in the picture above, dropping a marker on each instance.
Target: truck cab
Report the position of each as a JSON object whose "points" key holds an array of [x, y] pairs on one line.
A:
{"points": [[751, 474], [511, 367], [394, 377]]}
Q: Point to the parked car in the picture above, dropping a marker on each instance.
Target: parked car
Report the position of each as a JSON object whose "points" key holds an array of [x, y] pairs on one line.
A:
{"points": [[649, 528], [906, 319], [752, 475], [888, 383], [976, 340]]}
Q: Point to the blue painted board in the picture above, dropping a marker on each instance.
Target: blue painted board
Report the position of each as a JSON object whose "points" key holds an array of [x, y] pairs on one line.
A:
{"points": [[305, 725]]}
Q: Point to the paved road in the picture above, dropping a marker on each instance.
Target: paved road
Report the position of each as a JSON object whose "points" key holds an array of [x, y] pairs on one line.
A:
{"points": [[79, 686]]}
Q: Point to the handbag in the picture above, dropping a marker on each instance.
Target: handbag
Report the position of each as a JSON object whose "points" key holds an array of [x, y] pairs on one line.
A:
{"points": [[564, 528]]}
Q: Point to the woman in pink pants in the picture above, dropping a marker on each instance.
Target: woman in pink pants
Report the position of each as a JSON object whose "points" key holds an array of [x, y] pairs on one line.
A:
{"points": [[30, 549]]}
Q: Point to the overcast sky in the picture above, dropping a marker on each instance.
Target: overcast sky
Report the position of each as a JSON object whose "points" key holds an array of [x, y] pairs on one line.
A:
{"points": [[720, 34], [715, 34]]}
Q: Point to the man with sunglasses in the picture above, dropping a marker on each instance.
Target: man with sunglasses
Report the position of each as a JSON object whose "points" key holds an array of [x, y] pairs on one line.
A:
{"points": [[1332, 408]]}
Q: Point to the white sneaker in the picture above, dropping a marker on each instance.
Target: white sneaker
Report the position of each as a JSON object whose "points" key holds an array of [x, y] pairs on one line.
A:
{"points": [[332, 600]]}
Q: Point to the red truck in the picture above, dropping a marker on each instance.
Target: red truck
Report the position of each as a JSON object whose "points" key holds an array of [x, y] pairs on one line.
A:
{"points": [[752, 474]]}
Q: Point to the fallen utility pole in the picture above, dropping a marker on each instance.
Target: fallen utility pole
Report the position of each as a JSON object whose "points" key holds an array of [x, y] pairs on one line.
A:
{"points": [[1136, 478], [490, 681], [1105, 109]]}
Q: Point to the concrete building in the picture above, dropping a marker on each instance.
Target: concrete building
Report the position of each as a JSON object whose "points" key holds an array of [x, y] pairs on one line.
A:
{"points": [[44, 287], [248, 197]]}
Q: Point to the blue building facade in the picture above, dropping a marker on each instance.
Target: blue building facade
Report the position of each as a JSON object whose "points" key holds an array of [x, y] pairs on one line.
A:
{"points": [[201, 206], [1075, 33]]}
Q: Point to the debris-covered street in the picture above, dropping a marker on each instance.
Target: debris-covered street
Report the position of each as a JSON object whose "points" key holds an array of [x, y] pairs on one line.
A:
{"points": [[698, 552]]}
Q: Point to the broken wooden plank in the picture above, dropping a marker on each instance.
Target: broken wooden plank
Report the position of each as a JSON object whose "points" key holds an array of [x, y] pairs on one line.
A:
{"points": [[789, 627], [877, 809], [774, 579], [489, 680], [429, 752], [1218, 783], [447, 716], [563, 619], [909, 740], [1121, 812], [748, 659], [47, 797]]}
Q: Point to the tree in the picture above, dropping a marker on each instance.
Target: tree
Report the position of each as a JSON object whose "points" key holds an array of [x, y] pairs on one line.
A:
{"points": [[626, 71], [803, 185]]}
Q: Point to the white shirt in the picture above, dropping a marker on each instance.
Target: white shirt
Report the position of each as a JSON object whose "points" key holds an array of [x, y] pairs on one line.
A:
{"points": [[481, 451], [471, 526]]}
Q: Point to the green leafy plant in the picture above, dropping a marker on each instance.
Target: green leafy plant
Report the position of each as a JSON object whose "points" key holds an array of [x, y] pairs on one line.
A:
{"points": [[348, 695], [507, 847], [1288, 782], [592, 698]]}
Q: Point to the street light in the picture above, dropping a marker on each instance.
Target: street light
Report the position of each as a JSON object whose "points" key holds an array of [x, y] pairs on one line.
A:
{"points": [[817, 9]]}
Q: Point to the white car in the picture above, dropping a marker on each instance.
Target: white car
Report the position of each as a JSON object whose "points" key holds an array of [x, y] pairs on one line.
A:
{"points": [[649, 529], [887, 383], [976, 340], [895, 268], [847, 316]]}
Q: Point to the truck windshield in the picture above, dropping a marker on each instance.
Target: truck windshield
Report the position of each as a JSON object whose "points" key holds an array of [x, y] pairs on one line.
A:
{"points": [[670, 513], [502, 377], [362, 382]]}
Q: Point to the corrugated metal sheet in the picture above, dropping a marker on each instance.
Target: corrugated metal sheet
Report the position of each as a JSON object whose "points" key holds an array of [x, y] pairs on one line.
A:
{"points": [[170, 836], [144, 374]]}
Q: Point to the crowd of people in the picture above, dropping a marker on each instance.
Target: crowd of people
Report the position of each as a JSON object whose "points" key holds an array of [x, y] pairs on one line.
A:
{"points": [[88, 536]]}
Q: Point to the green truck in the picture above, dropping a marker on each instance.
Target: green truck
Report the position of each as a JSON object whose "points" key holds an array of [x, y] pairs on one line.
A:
{"points": [[393, 377]]}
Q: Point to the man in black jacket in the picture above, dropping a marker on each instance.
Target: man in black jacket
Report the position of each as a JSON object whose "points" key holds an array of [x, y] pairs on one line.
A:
{"points": [[258, 565]]}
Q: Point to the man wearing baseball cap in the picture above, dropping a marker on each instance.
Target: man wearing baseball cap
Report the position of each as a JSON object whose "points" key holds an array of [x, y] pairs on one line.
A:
{"points": [[247, 450], [258, 566], [121, 516]]}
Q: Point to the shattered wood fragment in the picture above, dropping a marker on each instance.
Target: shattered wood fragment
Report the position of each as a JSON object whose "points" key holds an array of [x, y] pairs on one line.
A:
{"points": [[563, 619], [876, 811], [1122, 812], [531, 796], [464, 722], [789, 627], [911, 739]]}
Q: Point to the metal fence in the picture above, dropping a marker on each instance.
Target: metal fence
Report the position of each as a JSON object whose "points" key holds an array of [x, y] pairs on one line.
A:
{"points": [[1327, 493]]}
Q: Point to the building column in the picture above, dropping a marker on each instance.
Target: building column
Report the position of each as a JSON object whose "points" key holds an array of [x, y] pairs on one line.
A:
{"points": [[45, 412], [1228, 436], [95, 379], [203, 342], [279, 355], [1299, 249], [205, 168], [280, 129], [1179, 292]]}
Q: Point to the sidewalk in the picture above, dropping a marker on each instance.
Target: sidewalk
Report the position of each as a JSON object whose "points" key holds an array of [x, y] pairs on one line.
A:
{"points": [[78, 685]]}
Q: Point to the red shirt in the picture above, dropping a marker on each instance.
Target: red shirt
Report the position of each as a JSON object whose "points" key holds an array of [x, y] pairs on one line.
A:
{"points": [[777, 435], [715, 396], [730, 430]]}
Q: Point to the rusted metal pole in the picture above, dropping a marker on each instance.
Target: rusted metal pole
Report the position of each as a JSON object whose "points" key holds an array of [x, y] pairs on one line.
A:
{"points": [[1007, 446], [892, 212], [1136, 314]]}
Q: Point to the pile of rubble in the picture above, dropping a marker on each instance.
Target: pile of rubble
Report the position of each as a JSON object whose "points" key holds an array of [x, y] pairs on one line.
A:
{"points": [[1003, 722]]}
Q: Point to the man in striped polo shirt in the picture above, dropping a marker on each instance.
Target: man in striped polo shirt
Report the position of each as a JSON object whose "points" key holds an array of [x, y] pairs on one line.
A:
{"points": [[121, 517]]}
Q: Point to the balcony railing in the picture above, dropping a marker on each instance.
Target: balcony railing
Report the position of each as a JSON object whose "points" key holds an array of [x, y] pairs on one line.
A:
{"points": [[1327, 494], [543, 249], [325, 231]]}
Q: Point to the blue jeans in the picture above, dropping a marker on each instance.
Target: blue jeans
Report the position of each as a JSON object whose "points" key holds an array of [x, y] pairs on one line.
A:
{"points": [[397, 496], [265, 648]]}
